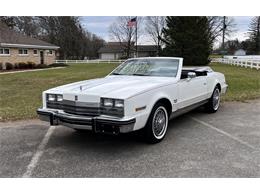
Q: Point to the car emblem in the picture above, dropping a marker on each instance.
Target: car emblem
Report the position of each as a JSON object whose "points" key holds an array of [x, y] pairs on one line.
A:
{"points": [[76, 98]]}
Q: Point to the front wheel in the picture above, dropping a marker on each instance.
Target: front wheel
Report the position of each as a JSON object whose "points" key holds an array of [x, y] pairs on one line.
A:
{"points": [[157, 124], [213, 104]]}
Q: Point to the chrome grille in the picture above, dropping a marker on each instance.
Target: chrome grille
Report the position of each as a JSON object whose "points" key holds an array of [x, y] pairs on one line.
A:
{"points": [[80, 108], [85, 108]]}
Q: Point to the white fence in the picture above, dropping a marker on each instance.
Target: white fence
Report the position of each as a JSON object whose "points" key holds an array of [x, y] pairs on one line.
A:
{"points": [[88, 61], [246, 57], [239, 62]]}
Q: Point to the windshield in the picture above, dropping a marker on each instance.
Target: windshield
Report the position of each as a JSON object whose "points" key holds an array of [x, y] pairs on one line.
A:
{"points": [[148, 67]]}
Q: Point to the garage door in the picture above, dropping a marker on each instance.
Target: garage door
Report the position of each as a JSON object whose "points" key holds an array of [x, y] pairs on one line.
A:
{"points": [[107, 56]]}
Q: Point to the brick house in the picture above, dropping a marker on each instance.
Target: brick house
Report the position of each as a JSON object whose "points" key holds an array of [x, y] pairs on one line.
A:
{"points": [[116, 50], [16, 47]]}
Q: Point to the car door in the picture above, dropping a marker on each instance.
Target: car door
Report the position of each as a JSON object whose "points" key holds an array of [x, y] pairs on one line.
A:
{"points": [[191, 91]]}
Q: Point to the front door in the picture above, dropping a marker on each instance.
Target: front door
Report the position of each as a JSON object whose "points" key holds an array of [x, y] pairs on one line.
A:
{"points": [[191, 91], [41, 57]]}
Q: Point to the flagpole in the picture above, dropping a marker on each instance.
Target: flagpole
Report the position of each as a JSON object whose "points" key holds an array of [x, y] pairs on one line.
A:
{"points": [[136, 39]]}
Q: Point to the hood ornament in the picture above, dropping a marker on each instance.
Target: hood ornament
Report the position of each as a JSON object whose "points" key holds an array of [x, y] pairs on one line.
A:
{"points": [[80, 87]]}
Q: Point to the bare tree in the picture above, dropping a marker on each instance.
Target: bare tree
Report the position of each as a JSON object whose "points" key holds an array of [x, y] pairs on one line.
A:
{"points": [[154, 27], [65, 31], [254, 34], [8, 20], [27, 25], [124, 34], [214, 27], [220, 26]]}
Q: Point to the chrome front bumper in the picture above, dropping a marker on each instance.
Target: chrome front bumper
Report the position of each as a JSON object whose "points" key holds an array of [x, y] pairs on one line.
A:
{"points": [[102, 124], [224, 89]]}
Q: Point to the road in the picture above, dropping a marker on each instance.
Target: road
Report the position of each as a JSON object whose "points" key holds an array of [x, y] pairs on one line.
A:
{"points": [[224, 144]]}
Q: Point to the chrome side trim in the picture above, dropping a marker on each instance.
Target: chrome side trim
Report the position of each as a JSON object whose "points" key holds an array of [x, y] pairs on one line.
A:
{"points": [[187, 109]]}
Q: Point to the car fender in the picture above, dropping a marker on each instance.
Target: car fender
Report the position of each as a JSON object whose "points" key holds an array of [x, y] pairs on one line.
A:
{"points": [[215, 78], [148, 100]]}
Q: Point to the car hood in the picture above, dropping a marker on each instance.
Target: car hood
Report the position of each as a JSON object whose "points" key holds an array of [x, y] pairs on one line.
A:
{"points": [[118, 86]]}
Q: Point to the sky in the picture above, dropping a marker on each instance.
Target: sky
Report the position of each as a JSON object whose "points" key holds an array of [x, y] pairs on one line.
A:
{"points": [[99, 25]]}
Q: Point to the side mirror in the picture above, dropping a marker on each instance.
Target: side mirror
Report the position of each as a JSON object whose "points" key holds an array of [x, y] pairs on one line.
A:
{"points": [[191, 75]]}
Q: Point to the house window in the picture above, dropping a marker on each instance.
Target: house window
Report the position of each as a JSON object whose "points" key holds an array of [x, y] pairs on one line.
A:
{"points": [[23, 51], [4, 51], [50, 52], [35, 52]]}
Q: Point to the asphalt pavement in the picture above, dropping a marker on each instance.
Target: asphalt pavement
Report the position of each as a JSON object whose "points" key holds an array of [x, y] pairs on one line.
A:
{"points": [[197, 144]]}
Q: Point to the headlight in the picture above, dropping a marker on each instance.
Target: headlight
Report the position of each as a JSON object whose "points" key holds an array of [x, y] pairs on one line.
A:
{"points": [[59, 98], [119, 103], [113, 107], [51, 97], [107, 102]]}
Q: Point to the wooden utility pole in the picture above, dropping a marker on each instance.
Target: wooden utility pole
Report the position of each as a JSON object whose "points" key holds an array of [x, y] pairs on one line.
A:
{"points": [[223, 35], [136, 47]]}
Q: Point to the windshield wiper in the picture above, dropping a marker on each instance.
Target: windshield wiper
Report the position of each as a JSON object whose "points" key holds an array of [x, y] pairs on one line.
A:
{"points": [[138, 74], [115, 73]]}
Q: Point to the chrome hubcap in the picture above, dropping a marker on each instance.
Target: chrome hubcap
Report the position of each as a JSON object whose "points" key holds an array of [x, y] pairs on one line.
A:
{"points": [[160, 122], [216, 99]]}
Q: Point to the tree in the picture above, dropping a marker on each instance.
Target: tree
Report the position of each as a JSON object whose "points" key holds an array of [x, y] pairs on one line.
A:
{"points": [[228, 27], [8, 20], [96, 43], [27, 25], [122, 33], [215, 27], [232, 45], [254, 34], [188, 37], [154, 27], [67, 32]]}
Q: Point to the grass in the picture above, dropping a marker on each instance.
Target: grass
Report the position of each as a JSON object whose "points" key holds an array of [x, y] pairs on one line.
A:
{"points": [[20, 93], [215, 56], [243, 83]]}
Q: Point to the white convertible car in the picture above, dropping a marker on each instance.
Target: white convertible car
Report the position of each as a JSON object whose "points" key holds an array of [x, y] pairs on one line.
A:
{"points": [[140, 94]]}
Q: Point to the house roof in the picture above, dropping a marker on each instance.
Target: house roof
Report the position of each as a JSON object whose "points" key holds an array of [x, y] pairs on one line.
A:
{"points": [[11, 38], [144, 48], [116, 47]]}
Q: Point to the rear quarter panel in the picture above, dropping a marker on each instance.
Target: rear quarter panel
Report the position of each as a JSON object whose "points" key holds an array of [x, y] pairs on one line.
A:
{"points": [[213, 79]]}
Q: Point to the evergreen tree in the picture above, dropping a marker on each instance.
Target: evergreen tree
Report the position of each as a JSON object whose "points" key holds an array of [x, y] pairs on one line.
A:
{"points": [[254, 34], [188, 37]]}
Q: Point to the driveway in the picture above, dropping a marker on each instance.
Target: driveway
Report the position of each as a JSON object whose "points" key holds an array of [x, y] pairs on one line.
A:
{"points": [[224, 144]]}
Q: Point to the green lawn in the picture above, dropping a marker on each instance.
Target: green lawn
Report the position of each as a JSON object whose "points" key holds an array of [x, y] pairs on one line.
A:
{"points": [[243, 83], [215, 56], [20, 93]]}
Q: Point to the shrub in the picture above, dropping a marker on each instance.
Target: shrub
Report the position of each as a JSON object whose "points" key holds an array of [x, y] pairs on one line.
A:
{"points": [[30, 64], [9, 66], [22, 65], [42, 66], [57, 65], [16, 66]]}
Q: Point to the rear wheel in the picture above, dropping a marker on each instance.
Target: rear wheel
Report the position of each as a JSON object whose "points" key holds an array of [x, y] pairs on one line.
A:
{"points": [[157, 124], [213, 105]]}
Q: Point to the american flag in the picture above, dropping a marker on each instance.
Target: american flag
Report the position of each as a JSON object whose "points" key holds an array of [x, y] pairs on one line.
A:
{"points": [[132, 22]]}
